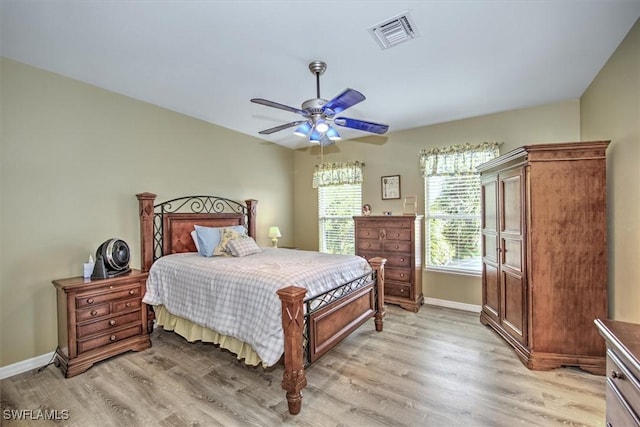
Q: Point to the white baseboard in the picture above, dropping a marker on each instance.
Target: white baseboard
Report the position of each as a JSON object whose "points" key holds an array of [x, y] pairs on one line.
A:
{"points": [[25, 365], [453, 304]]}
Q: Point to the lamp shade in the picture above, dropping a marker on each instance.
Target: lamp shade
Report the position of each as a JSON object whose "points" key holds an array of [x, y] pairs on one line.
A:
{"points": [[274, 232]]}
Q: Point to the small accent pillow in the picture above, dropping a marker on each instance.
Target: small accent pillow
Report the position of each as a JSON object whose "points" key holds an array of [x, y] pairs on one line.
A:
{"points": [[227, 233], [208, 238], [243, 246]]}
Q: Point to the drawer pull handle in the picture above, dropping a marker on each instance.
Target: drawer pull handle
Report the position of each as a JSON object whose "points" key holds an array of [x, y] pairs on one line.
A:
{"points": [[401, 259], [402, 291], [93, 312], [401, 274], [112, 322], [397, 234], [397, 247], [112, 338], [132, 292], [90, 301], [128, 304], [616, 374]]}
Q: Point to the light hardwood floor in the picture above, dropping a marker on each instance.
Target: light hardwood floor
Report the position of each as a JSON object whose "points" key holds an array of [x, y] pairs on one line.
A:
{"points": [[437, 367]]}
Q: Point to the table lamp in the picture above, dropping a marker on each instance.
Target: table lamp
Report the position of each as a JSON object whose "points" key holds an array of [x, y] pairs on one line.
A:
{"points": [[274, 233]]}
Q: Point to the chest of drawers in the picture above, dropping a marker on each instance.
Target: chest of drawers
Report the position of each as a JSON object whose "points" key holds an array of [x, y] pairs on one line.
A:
{"points": [[98, 319], [623, 371], [398, 239]]}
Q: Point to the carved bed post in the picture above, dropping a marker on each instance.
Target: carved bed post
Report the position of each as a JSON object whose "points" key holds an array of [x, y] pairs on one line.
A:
{"points": [[377, 264], [293, 379], [251, 216], [145, 203]]}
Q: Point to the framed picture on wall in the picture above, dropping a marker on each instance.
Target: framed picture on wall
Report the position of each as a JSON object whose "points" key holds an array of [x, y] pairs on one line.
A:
{"points": [[390, 187]]}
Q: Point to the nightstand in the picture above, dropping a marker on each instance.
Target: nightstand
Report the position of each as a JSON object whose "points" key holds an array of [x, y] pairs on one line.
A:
{"points": [[98, 319]]}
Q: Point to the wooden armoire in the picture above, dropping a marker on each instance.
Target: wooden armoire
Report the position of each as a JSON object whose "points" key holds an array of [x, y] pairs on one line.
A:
{"points": [[544, 234]]}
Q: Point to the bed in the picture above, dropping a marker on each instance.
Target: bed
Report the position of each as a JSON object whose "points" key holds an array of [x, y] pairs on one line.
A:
{"points": [[312, 315]]}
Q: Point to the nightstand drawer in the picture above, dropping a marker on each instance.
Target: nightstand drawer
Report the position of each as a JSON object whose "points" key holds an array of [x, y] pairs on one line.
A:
{"points": [[92, 312], [126, 305], [94, 298], [108, 338], [107, 324]]}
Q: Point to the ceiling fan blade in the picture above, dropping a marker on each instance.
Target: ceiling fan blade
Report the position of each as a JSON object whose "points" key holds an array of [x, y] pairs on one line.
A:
{"points": [[279, 106], [361, 125], [281, 127], [348, 98]]}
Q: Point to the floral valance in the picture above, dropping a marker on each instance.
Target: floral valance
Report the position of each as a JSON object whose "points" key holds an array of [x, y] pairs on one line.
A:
{"points": [[457, 159], [337, 174]]}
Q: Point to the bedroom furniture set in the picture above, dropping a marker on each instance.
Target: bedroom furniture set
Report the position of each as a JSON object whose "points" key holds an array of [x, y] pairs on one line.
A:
{"points": [[268, 306]]}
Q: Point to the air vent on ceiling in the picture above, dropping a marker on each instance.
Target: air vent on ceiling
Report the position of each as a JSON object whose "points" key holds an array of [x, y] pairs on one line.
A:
{"points": [[393, 31]]}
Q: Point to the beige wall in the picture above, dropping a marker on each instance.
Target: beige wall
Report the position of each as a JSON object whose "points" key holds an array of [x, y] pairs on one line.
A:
{"points": [[72, 158], [397, 153], [610, 109]]}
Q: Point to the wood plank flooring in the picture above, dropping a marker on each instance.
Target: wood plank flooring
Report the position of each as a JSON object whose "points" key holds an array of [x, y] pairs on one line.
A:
{"points": [[437, 367]]}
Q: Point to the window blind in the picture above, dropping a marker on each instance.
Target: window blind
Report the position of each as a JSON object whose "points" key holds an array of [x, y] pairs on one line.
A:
{"points": [[337, 204]]}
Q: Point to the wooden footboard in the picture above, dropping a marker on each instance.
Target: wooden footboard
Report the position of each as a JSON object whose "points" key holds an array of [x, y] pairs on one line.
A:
{"points": [[306, 340]]}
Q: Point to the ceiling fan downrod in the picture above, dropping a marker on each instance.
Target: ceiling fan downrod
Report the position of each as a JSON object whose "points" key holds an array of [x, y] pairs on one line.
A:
{"points": [[317, 68]]}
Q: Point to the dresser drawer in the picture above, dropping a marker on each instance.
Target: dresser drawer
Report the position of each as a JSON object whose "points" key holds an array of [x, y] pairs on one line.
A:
{"points": [[368, 245], [618, 411], [397, 289], [107, 324], [398, 234], [394, 260], [108, 338], [368, 233], [95, 298], [621, 378], [397, 274], [397, 246], [92, 312]]}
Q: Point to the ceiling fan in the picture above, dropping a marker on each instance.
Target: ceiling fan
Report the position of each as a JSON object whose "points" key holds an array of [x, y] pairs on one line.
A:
{"points": [[319, 113]]}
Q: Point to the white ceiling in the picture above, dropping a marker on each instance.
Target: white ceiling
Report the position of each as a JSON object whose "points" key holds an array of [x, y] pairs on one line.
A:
{"points": [[206, 59]]}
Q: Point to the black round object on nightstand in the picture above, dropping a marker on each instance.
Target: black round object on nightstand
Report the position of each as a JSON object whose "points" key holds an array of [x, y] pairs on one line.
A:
{"points": [[114, 254]]}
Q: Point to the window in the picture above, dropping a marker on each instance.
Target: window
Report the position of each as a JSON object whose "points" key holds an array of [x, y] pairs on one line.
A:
{"points": [[339, 199], [452, 206], [337, 204]]}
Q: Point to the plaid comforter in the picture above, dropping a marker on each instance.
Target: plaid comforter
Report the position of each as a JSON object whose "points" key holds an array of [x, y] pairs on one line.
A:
{"points": [[236, 296]]}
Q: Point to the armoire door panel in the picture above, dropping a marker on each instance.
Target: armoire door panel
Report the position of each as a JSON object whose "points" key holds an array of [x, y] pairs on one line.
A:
{"points": [[513, 305], [512, 254], [511, 198], [491, 291], [490, 247], [490, 206]]}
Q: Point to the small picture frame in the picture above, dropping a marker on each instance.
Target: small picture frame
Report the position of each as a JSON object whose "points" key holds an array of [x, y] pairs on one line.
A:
{"points": [[390, 187], [366, 210]]}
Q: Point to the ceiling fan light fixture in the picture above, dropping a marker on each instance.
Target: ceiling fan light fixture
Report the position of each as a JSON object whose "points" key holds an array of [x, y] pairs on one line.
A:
{"points": [[333, 134], [321, 126], [303, 130], [315, 136]]}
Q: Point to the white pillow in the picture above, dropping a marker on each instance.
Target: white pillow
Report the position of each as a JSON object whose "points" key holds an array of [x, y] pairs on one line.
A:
{"points": [[194, 236]]}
